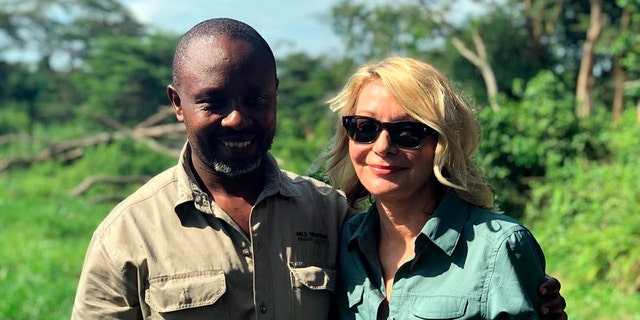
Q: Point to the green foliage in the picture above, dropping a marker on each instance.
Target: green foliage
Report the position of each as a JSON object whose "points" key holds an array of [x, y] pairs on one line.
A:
{"points": [[377, 31], [305, 122], [585, 210], [13, 119], [124, 158], [510, 52], [623, 140], [524, 139], [46, 230], [44, 239], [60, 29], [127, 76]]}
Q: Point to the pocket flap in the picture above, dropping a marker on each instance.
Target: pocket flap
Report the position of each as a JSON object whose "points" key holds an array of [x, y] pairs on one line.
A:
{"points": [[315, 278], [187, 290], [440, 307]]}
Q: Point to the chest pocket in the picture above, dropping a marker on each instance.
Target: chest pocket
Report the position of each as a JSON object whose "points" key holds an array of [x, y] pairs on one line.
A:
{"points": [[439, 307], [178, 292], [313, 289], [315, 278]]}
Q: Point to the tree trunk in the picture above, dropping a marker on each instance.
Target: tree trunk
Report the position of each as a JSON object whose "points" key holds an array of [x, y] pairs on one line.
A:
{"points": [[541, 21], [479, 59], [585, 76], [618, 92], [619, 74]]}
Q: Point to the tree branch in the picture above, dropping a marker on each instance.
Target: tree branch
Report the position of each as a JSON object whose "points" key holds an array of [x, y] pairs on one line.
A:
{"points": [[480, 60], [140, 134]]}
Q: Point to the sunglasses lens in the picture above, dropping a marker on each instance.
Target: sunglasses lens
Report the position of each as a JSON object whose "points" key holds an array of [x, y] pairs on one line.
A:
{"points": [[407, 134], [366, 130]]}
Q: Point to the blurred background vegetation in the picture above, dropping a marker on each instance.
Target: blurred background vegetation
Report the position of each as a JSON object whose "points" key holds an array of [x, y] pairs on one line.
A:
{"points": [[556, 84]]}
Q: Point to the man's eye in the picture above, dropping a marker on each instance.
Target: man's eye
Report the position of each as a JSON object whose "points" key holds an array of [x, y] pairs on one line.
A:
{"points": [[259, 98], [212, 106], [263, 97]]}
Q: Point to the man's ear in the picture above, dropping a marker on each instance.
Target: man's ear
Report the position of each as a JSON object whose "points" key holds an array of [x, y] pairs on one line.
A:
{"points": [[174, 97]]}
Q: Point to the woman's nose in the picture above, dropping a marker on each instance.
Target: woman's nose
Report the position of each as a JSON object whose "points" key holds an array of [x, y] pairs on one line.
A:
{"points": [[383, 144]]}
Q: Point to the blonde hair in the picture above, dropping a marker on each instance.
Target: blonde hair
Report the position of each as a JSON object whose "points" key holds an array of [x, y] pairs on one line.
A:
{"points": [[428, 97]]}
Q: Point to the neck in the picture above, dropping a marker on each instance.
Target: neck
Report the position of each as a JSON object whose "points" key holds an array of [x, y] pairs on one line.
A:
{"points": [[403, 219], [400, 222], [247, 185]]}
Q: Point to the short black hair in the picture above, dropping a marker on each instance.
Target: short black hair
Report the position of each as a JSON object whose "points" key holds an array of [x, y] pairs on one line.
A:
{"points": [[230, 28]]}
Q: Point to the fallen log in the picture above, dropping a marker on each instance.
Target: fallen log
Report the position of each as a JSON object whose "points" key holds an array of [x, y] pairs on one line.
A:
{"points": [[143, 134]]}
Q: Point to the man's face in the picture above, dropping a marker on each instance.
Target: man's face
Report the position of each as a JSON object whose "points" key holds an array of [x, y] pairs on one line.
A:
{"points": [[227, 101]]}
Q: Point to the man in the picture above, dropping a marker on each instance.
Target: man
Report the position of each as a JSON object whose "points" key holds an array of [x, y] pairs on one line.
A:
{"points": [[225, 234]]}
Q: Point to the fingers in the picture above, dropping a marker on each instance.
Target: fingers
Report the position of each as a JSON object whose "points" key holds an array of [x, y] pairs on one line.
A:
{"points": [[560, 316], [554, 308], [555, 302], [550, 286]]}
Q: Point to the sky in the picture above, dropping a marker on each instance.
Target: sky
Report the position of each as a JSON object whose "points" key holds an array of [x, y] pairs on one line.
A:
{"points": [[287, 25]]}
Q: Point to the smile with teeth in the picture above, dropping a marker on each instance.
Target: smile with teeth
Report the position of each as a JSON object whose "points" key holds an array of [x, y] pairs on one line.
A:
{"points": [[236, 144]]}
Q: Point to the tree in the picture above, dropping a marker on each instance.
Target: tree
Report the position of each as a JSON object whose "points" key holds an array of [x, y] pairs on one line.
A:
{"points": [[53, 38], [372, 32], [499, 50], [125, 77], [57, 31], [621, 40], [586, 79], [480, 59], [305, 123]]}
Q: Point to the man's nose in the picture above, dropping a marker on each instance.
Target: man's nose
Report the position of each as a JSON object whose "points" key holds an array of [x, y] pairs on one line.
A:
{"points": [[236, 119]]}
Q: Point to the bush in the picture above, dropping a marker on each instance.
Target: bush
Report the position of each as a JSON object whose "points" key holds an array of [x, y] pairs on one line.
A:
{"points": [[584, 215], [526, 138]]}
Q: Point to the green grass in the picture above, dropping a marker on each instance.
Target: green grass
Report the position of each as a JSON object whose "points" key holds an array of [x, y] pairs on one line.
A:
{"points": [[44, 243], [45, 231]]}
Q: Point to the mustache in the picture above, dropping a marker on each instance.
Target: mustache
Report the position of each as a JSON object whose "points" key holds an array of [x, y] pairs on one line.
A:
{"points": [[225, 132]]}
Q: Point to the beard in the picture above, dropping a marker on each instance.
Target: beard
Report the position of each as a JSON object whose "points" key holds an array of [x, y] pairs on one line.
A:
{"points": [[236, 167], [233, 167]]}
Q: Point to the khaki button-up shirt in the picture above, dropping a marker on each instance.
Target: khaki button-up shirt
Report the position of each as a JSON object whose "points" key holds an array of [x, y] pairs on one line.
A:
{"points": [[169, 252]]}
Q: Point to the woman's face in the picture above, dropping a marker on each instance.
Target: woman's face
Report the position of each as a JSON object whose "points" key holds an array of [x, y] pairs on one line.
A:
{"points": [[388, 172]]}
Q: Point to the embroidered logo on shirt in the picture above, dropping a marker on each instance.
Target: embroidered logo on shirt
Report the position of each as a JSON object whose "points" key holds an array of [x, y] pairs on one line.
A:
{"points": [[316, 237]]}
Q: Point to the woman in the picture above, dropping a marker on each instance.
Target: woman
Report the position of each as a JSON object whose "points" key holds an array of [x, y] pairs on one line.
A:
{"points": [[431, 246]]}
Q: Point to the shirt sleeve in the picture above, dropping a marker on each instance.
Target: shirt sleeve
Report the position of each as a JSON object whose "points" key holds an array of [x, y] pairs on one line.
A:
{"points": [[519, 268], [104, 289]]}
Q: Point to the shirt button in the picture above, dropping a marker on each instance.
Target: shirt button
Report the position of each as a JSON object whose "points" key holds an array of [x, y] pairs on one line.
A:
{"points": [[246, 252], [263, 308]]}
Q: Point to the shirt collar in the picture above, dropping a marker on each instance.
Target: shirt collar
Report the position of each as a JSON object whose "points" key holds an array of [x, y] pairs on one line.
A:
{"points": [[443, 228], [276, 181], [368, 227]]}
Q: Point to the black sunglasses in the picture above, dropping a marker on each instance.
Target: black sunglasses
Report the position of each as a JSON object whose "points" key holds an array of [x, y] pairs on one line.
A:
{"points": [[403, 134]]}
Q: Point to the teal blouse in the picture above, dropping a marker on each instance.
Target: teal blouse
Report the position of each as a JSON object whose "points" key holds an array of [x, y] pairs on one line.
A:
{"points": [[469, 263]]}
